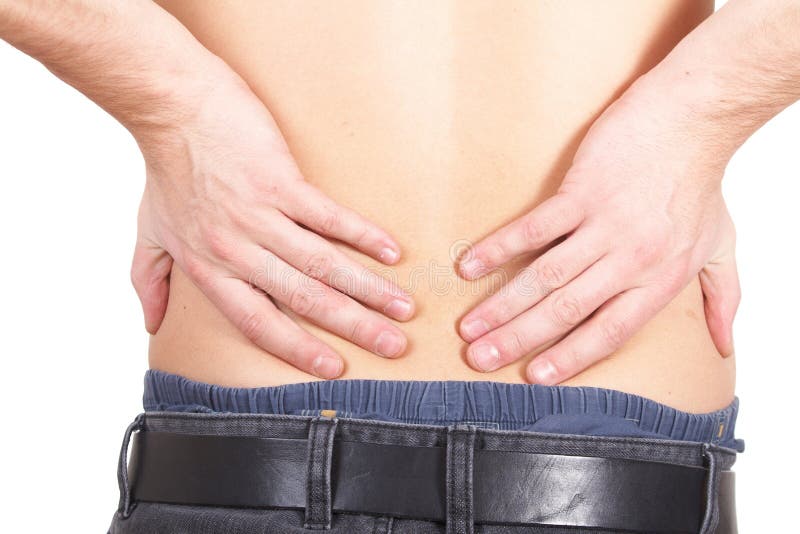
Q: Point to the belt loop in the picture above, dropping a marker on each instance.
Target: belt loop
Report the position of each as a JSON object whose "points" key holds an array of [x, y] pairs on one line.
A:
{"points": [[318, 482], [125, 508], [711, 515], [460, 453]]}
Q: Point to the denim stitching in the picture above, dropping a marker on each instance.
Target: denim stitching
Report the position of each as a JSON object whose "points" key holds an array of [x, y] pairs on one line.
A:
{"points": [[315, 486], [460, 456], [310, 476], [159, 384], [328, 459], [468, 480], [711, 513], [711, 452], [125, 506], [441, 430], [450, 487], [682, 452]]}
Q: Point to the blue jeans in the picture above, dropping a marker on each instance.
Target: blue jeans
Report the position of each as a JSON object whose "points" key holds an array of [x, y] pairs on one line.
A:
{"points": [[533, 413]]}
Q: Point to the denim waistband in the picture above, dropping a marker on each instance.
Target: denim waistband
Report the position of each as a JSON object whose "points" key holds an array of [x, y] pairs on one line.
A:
{"points": [[493, 405]]}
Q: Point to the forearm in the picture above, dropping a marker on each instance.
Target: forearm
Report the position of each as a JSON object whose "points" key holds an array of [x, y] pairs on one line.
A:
{"points": [[131, 57], [733, 73]]}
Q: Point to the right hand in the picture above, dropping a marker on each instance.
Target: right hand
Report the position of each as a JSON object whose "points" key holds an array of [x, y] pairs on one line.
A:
{"points": [[226, 201]]}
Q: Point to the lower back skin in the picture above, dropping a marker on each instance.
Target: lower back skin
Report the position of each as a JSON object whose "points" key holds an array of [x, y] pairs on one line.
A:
{"points": [[441, 121]]}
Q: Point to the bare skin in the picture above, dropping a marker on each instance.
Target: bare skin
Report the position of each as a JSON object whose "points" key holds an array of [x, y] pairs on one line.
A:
{"points": [[467, 147], [315, 128]]}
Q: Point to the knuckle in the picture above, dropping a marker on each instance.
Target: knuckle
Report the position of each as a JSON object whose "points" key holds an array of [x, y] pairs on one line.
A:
{"points": [[495, 251], [318, 266], [514, 343], [534, 231], [303, 352], [568, 363], [329, 221], [196, 269], [646, 253], [269, 190], [253, 325], [649, 248], [526, 283], [551, 276], [357, 330], [614, 332], [219, 244], [566, 311], [364, 233], [240, 216], [498, 312], [350, 282], [303, 301], [363, 236]]}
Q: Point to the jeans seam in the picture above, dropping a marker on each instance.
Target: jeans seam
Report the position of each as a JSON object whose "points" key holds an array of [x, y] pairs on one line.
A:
{"points": [[400, 420], [460, 455], [362, 424], [711, 508], [125, 499], [316, 482]]}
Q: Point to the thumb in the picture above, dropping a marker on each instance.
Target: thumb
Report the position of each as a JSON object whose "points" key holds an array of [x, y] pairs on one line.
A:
{"points": [[150, 276], [719, 281]]}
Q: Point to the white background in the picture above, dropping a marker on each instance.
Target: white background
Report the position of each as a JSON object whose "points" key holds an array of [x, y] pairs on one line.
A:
{"points": [[74, 348]]}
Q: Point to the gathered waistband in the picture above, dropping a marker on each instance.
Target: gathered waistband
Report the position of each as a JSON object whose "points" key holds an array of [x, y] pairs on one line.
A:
{"points": [[486, 404]]}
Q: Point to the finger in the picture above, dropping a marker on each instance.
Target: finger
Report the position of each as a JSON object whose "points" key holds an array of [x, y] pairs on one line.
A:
{"points": [[722, 293], [315, 257], [267, 327], [323, 305], [551, 271], [310, 207], [552, 317], [550, 220], [150, 277], [609, 328]]}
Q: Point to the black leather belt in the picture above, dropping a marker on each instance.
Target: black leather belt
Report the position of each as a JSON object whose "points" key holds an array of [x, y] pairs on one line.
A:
{"points": [[409, 482]]}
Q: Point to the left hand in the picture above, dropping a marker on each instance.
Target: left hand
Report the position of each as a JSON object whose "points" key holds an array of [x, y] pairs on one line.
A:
{"points": [[643, 214]]}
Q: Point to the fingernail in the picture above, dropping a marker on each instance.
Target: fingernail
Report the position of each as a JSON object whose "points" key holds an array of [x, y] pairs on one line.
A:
{"points": [[486, 357], [388, 255], [399, 309], [327, 367], [475, 328], [388, 344], [543, 372], [472, 268]]}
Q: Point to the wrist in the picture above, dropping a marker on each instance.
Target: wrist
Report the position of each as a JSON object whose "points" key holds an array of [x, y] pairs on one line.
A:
{"points": [[668, 138], [133, 59], [174, 95], [694, 107], [724, 80]]}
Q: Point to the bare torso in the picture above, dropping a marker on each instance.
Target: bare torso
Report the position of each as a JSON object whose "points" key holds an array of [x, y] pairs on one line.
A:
{"points": [[441, 121]]}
